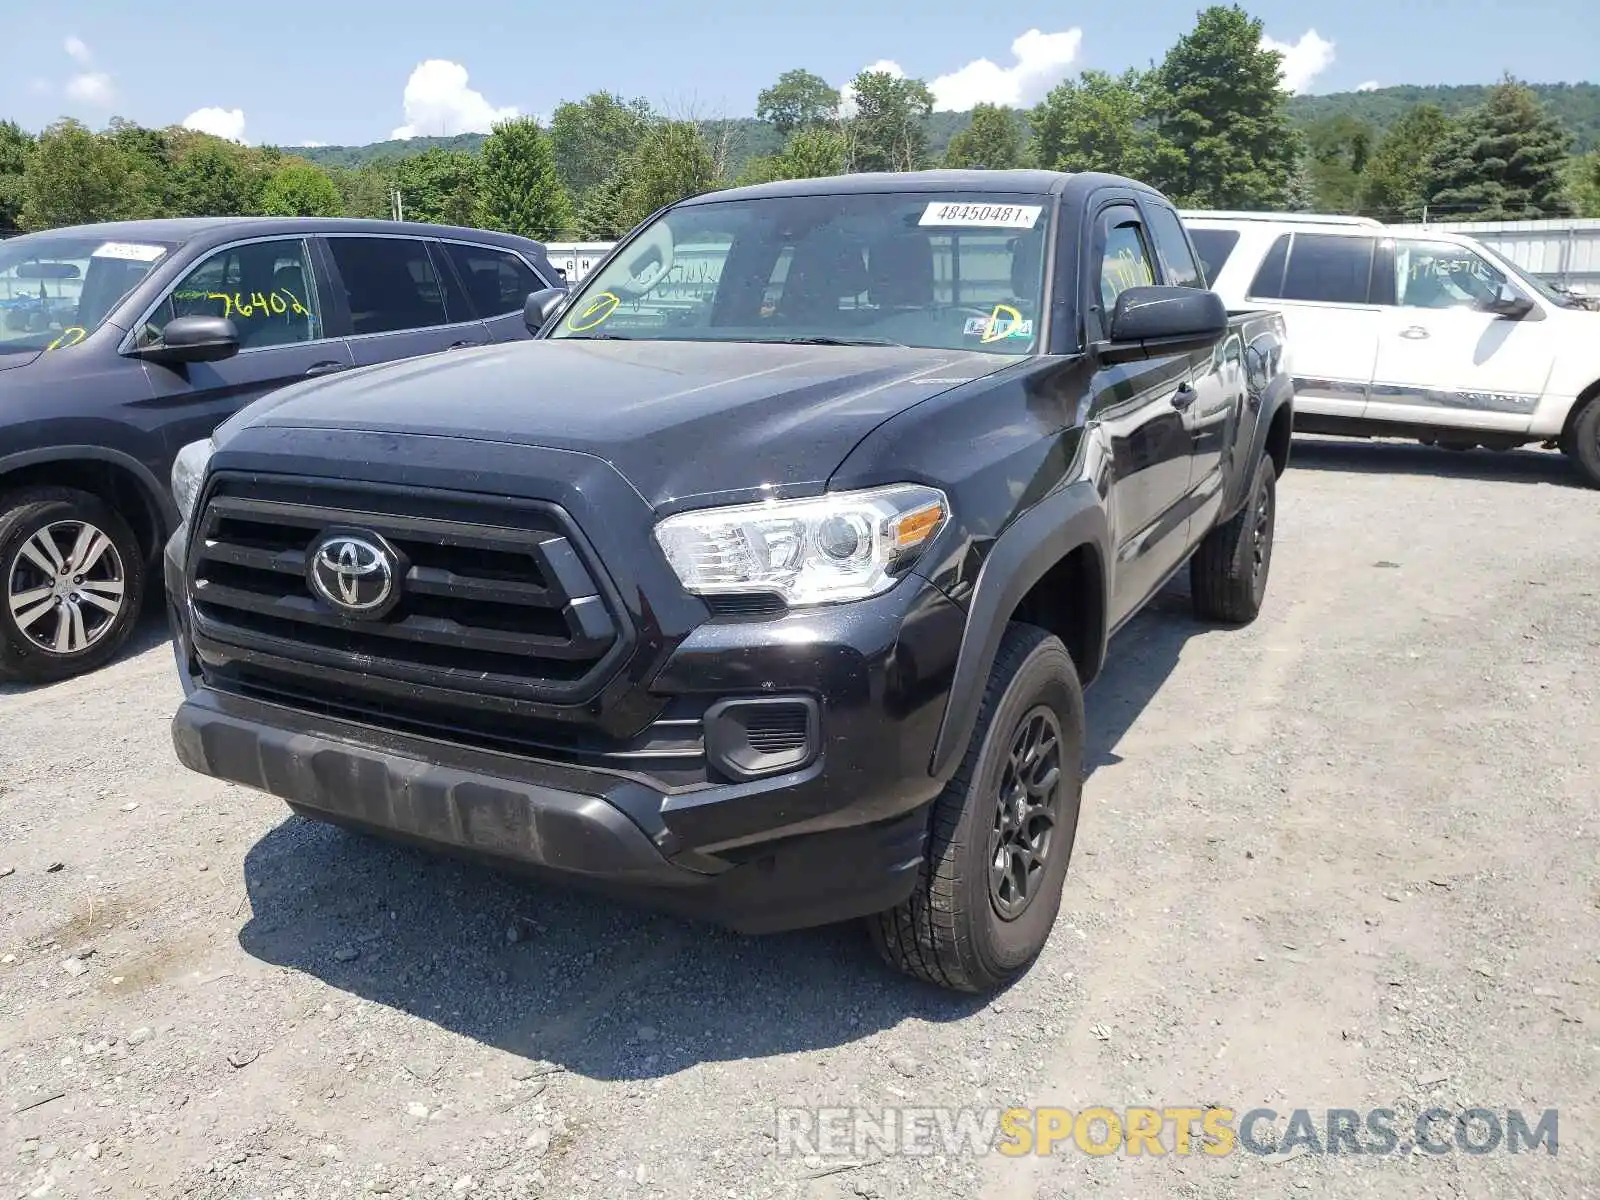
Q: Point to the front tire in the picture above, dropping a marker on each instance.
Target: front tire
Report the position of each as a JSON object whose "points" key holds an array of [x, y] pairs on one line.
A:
{"points": [[1228, 573], [1584, 447], [1001, 833], [71, 582]]}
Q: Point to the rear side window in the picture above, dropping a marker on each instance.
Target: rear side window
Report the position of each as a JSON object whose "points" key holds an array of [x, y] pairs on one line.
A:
{"points": [[390, 284], [1177, 261], [1214, 246], [497, 280], [1320, 267]]}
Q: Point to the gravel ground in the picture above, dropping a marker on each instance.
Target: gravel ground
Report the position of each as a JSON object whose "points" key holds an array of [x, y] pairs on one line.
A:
{"points": [[1343, 858]]}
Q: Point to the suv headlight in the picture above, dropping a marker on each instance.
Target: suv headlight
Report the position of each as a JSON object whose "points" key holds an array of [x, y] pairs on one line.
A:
{"points": [[842, 546], [188, 473]]}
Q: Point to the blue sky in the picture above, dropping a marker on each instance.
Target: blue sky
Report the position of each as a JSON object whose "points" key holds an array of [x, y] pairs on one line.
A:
{"points": [[351, 71]]}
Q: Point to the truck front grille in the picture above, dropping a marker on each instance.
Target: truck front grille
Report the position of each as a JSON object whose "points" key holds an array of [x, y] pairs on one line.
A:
{"points": [[495, 599]]}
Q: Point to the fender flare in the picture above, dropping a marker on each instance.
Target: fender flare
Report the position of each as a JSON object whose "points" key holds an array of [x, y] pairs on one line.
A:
{"points": [[160, 500], [1278, 397], [1020, 557]]}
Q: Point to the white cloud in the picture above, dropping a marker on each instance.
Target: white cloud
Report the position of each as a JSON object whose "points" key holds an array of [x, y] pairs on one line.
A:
{"points": [[309, 145], [92, 87], [1370, 85], [219, 122], [438, 103], [1042, 61], [88, 86], [1303, 61]]}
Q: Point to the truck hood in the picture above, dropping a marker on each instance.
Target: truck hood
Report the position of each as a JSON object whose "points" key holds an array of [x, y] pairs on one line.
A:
{"points": [[678, 419], [17, 358]]}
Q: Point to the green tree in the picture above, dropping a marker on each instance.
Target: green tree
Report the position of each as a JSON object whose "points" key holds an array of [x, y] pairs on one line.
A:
{"points": [[1338, 150], [798, 100], [601, 216], [1503, 161], [1392, 183], [1583, 182], [992, 142], [1223, 115], [299, 189], [439, 186], [149, 153], [15, 147], [364, 191], [809, 154], [209, 180], [1302, 192], [594, 136], [75, 177], [887, 132], [521, 191], [1096, 122], [672, 163]]}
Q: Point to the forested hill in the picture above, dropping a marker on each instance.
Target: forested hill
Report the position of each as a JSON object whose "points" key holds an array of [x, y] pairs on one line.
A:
{"points": [[1576, 104]]}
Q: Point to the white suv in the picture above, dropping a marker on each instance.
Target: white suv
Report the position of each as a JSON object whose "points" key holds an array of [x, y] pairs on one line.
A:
{"points": [[1399, 334]]}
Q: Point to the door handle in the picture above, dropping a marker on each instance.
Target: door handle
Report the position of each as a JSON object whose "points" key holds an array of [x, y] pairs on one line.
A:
{"points": [[325, 368], [1415, 333], [1183, 397], [460, 345]]}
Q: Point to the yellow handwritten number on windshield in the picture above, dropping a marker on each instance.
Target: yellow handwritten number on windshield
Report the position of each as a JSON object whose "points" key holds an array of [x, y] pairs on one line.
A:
{"points": [[70, 336], [595, 313]]}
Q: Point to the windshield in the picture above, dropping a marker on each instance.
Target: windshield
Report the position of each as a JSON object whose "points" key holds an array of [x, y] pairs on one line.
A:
{"points": [[1532, 282], [957, 271], [57, 289]]}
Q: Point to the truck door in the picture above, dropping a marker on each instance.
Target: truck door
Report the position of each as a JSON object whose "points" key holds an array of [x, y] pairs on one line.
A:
{"points": [[1443, 359], [1137, 410]]}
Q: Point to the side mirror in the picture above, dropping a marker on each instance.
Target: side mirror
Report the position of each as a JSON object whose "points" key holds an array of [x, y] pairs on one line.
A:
{"points": [[193, 340], [1508, 302], [1163, 320], [540, 306]]}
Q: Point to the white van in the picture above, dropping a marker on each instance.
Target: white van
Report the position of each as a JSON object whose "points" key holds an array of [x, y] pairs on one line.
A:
{"points": [[1432, 336]]}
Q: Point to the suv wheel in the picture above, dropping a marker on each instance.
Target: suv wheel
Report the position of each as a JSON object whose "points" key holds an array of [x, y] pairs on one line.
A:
{"points": [[1228, 573], [71, 579], [1584, 448], [1001, 832]]}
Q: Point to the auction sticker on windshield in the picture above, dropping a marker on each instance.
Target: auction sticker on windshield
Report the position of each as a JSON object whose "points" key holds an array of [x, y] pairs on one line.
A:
{"points": [[982, 216], [129, 252]]}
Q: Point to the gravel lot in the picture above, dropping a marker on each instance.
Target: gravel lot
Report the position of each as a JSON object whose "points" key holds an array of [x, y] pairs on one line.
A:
{"points": [[1343, 858]]}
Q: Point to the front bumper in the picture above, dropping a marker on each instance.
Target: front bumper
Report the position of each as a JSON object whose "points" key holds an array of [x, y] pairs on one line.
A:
{"points": [[841, 837]]}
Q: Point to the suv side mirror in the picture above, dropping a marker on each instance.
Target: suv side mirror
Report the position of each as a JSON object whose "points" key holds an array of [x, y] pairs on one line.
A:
{"points": [[1163, 320], [1508, 302], [194, 339], [540, 306]]}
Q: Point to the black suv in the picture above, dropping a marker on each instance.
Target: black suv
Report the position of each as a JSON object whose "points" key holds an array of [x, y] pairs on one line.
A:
{"points": [[120, 343], [764, 583]]}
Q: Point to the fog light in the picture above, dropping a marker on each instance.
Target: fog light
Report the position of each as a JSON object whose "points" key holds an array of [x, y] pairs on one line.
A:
{"points": [[746, 739]]}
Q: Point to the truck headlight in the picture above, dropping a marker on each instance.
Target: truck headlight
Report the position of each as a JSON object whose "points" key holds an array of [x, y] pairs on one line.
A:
{"points": [[842, 546], [188, 473]]}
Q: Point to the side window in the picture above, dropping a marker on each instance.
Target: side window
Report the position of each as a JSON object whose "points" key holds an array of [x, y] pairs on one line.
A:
{"points": [[1177, 260], [497, 280], [1328, 268], [1441, 275], [1268, 283], [390, 284], [266, 289], [1125, 261]]}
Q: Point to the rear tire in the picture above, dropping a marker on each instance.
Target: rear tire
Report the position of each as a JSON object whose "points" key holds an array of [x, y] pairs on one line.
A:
{"points": [[71, 583], [1228, 573], [1001, 833], [1584, 447]]}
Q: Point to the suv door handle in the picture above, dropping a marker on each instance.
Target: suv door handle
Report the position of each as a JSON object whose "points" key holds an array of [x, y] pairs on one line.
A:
{"points": [[1184, 396], [1414, 332], [460, 345], [325, 368]]}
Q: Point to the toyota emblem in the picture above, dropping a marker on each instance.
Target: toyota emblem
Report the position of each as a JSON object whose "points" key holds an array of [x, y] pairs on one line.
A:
{"points": [[356, 574]]}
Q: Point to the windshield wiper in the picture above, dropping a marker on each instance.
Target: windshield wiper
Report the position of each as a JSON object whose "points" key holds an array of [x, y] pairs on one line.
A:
{"points": [[823, 340], [597, 337]]}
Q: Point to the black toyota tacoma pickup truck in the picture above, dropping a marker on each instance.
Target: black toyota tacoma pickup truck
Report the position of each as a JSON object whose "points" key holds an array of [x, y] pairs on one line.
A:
{"points": [[762, 585]]}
